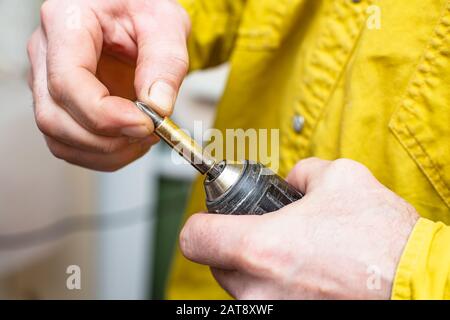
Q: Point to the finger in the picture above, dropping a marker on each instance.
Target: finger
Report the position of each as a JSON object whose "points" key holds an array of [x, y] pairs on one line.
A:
{"points": [[215, 240], [73, 53], [33, 50], [30, 79], [161, 30], [54, 121], [58, 124], [96, 161], [305, 171]]}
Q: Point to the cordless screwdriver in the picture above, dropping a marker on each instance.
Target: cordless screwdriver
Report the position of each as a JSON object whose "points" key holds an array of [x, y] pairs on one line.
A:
{"points": [[231, 188]]}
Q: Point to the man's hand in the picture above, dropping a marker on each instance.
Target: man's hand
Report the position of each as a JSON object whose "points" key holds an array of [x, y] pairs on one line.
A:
{"points": [[343, 240], [89, 58]]}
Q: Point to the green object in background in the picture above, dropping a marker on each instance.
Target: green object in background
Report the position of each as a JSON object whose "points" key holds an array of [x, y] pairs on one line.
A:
{"points": [[171, 204]]}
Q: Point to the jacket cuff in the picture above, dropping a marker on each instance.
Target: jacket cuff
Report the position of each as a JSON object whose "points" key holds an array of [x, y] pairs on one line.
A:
{"points": [[424, 268]]}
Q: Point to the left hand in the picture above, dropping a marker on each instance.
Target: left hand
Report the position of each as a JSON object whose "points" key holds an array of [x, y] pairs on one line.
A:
{"points": [[343, 240]]}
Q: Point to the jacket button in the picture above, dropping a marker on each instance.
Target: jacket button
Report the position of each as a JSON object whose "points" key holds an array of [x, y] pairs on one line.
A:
{"points": [[298, 123]]}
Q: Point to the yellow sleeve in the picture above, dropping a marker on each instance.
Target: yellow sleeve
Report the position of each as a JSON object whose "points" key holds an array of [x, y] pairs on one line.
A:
{"points": [[214, 28], [424, 268]]}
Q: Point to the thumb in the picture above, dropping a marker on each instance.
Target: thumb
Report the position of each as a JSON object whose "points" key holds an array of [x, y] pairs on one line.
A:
{"points": [[215, 239], [305, 173], [162, 64]]}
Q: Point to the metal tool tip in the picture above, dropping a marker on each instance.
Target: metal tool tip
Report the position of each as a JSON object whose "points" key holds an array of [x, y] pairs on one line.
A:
{"points": [[156, 118]]}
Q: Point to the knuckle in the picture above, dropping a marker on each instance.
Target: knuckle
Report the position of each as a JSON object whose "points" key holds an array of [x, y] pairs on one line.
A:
{"points": [[44, 120], [347, 173], [181, 63], [96, 124], [343, 162], [56, 149], [348, 165], [172, 66], [99, 121], [56, 84], [173, 69], [306, 161]]}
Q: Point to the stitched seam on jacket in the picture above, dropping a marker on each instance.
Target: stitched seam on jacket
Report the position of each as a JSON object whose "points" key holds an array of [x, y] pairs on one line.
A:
{"points": [[415, 87], [341, 58]]}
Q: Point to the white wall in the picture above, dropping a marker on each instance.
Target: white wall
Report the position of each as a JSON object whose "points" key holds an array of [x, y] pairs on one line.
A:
{"points": [[37, 189]]}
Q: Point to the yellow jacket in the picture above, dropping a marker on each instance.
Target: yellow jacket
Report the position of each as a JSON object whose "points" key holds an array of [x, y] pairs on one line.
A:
{"points": [[360, 79]]}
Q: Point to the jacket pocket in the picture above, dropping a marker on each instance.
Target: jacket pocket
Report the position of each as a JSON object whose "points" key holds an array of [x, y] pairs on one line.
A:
{"points": [[422, 122], [263, 22]]}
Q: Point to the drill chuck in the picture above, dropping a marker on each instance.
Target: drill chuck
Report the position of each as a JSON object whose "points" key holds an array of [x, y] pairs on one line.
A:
{"points": [[248, 187], [231, 188]]}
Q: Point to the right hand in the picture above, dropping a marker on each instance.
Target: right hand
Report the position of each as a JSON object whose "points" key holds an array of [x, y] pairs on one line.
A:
{"points": [[89, 59]]}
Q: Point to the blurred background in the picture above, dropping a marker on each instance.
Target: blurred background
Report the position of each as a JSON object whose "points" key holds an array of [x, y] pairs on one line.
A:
{"points": [[119, 228]]}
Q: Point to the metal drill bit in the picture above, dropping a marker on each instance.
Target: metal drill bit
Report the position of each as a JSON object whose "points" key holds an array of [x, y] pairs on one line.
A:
{"points": [[181, 142]]}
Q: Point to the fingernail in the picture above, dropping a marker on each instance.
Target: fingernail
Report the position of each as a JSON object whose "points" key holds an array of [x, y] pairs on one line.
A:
{"points": [[136, 131], [162, 95]]}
